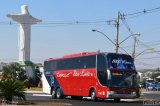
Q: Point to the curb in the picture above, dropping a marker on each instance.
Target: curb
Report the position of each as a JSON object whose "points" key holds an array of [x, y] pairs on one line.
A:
{"points": [[34, 92]]}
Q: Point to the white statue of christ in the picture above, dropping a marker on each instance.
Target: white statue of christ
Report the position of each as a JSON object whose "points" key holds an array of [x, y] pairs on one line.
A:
{"points": [[25, 21]]}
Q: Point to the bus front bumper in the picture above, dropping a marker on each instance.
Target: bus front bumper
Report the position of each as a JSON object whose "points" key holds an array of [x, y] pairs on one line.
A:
{"points": [[122, 96]]}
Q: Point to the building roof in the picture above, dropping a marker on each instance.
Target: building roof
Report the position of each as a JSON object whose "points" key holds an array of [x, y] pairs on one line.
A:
{"points": [[158, 77]]}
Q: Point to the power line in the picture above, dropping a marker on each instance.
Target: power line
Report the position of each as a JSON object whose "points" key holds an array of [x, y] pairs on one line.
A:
{"points": [[144, 64], [91, 22], [131, 32], [151, 52], [142, 12], [59, 23], [148, 58], [151, 43], [126, 25]]}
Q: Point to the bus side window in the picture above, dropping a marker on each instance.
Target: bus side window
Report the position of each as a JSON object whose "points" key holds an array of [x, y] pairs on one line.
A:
{"points": [[53, 65], [60, 64], [101, 63], [88, 62], [47, 65], [101, 70]]}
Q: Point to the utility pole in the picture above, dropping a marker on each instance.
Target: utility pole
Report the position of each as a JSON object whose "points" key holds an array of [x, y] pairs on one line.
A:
{"points": [[117, 31], [134, 48]]}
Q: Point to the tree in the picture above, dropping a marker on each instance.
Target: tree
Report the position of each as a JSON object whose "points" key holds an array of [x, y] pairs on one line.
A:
{"points": [[10, 88], [38, 76], [157, 69], [14, 71], [154, 75]]}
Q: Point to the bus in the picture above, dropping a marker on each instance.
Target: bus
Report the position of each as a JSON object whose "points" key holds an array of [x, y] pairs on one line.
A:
{"points": [[92, 74]]}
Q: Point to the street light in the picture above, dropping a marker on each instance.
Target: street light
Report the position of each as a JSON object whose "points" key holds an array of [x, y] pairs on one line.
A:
{"points": [[94, 30], [134, 43], [134, 46], [117, 44], [144, 51], [138, 34]]}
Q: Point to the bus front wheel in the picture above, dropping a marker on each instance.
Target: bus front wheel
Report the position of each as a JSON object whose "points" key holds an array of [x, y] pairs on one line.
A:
{"points": [[93, 95]]}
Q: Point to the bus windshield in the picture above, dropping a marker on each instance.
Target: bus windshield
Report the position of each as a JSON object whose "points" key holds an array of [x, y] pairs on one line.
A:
{"points": [[120, 61], [122, 79]]}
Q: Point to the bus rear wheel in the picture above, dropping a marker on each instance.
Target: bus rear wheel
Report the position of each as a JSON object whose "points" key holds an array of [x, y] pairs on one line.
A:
{"points": [[59, 95], [93, 95], [53, 94]]}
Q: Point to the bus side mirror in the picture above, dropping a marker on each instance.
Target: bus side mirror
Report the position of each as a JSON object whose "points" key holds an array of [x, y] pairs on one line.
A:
{"points": [[109, 74], [140, 77]]}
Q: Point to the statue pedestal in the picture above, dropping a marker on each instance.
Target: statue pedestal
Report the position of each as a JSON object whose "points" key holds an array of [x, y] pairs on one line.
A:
{"points": [[29, 67]]}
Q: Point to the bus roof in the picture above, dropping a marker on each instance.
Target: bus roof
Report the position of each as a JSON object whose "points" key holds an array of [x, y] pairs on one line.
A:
{"points": [[74, 55], [81, 55]]}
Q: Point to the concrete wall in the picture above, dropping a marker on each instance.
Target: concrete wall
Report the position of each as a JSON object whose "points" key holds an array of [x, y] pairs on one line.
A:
{"points": [[45, 86]]}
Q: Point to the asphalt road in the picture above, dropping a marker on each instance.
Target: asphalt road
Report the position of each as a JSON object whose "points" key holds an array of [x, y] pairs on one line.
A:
{"points": [[69, 102], [151, 95], [45, 100]]}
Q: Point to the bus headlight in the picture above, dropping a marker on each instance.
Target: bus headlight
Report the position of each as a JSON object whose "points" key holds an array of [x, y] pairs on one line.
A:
{"points": [[133, 93], [111, 92]]}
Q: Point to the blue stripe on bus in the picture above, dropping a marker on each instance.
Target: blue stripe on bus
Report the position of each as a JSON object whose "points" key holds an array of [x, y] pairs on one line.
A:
{"points": [[52, 81]]}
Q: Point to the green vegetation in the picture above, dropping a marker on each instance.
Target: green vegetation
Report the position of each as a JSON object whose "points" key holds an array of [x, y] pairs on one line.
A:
{"points": [[15, 81], [38, 76], [10, 88], [14, 71], [12, 84], [154, 75]]}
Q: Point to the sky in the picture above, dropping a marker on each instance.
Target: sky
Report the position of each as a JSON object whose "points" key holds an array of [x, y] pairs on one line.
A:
{"points": [[66, 28]]}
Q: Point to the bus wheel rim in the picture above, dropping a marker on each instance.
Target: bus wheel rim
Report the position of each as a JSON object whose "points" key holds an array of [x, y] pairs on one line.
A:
{"points": [[58, 94], [93, 95]]}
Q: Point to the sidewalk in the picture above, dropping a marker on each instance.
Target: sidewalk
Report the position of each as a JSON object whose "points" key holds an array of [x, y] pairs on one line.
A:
{"points": [[34, 92], [149, 91]]}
